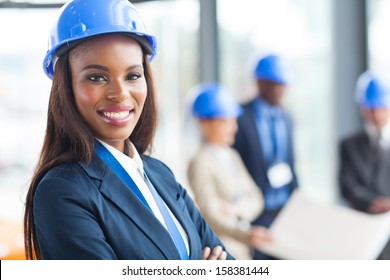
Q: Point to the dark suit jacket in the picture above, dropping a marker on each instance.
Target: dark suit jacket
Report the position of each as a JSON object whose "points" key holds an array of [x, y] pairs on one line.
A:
{"points": [[248, 144], [84, 211], [362, 178]]}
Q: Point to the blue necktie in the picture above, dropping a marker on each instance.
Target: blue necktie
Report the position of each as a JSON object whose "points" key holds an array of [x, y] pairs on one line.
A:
{"points": [[174, 232], [274, 136]]}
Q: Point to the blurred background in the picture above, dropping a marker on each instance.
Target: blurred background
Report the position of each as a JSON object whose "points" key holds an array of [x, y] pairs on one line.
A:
{"points": [[329, 43]]}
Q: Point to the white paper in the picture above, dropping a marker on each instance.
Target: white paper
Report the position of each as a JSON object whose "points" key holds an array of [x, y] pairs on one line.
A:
{"points": [[309, 230], [279, 175]]}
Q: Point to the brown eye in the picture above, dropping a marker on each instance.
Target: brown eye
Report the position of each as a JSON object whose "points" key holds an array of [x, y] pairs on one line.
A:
{"points": [[96, 78], [133, 76]]}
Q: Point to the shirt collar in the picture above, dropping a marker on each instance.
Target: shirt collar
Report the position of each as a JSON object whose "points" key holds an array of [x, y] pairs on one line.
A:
{"points": [[266, 109], [137, 158], [383, 135], [135, 163]]}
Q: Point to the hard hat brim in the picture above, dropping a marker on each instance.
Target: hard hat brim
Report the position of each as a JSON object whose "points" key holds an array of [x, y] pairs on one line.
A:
{"points": [[147, 43]]}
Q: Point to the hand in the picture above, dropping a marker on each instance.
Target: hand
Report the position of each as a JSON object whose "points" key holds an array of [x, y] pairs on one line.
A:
{"points": [[216, 254], [380, 205], [258, 236]]}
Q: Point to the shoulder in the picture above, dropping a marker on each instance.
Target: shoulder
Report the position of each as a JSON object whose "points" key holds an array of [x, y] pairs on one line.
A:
{"points": [[247, 107], [247, 104], [247, 115], [353, 138], [65, 179], [158, 168], [65, 171], [154, 163], [159, 171], [203, 152], [202, 160]]}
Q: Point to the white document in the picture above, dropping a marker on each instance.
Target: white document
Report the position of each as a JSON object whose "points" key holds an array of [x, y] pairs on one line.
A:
{"points": [[279, 175], [309, 230]]}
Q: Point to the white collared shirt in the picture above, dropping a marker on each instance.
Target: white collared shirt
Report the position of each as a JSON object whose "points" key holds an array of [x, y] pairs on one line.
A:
{"points": [[135, 168], [384, 134]]}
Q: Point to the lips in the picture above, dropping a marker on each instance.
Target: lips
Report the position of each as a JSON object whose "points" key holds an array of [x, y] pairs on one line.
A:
{"points": [[116, 115]]}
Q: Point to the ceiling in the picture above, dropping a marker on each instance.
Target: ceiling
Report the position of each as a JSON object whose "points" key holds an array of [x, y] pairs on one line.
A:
{"points": [[40, 3]]}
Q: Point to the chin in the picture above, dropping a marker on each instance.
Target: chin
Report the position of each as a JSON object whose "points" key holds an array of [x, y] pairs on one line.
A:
{"points": [[229, 142], [118, 135]]}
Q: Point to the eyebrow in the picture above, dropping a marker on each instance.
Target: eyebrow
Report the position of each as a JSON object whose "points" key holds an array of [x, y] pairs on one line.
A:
{"points": [[104, 68]]}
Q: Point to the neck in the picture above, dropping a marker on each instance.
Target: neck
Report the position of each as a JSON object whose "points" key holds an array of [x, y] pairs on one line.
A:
{"points": [[119, 145]]}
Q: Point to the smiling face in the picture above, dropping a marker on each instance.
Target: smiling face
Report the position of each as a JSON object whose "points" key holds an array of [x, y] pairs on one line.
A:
{"points": [[109, 86]]}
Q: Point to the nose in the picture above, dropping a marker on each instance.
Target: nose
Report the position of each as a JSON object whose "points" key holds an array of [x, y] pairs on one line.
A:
{"points": [[118, 91]]}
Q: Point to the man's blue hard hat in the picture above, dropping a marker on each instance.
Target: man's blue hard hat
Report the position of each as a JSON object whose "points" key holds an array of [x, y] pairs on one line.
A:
{"points": [[372, 91], [273, 68], [81, 19], [215, 101]]}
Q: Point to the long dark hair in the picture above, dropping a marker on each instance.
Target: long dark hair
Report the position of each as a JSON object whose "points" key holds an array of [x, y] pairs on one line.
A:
{"points": [[68, 138]]}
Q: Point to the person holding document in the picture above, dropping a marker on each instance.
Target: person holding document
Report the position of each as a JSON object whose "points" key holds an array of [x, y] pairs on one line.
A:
{"points": [[95, 193], [364, 174]]}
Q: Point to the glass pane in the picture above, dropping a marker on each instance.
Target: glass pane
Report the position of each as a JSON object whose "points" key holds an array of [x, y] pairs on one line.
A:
{"points": [[176, 26], [301, 31], [24, 92], [378, 36], [41, 1]]}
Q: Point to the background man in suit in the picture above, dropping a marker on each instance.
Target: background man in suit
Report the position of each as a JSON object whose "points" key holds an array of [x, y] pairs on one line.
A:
{"points": [[264, 139], [364, 173]]}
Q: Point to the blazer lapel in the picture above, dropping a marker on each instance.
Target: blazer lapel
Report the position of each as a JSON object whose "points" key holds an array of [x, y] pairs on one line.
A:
{"points": [[363, 144], [175, 203], [120, 194], [257, 139]]}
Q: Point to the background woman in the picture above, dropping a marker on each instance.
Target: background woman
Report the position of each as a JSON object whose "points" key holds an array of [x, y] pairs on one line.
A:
{"points": [[226, 194]]}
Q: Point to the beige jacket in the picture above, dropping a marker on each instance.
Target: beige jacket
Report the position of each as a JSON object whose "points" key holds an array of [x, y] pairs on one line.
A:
{"points": [[226, 196]]}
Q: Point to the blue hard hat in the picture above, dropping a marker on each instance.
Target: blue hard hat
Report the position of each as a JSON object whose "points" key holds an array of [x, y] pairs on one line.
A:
{"points": [[80, 19], [371, 91], [273, 68], [215, 101]]}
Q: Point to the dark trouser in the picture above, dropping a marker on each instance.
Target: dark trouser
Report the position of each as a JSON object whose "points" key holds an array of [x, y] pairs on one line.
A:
{"points": [[266, 218]]}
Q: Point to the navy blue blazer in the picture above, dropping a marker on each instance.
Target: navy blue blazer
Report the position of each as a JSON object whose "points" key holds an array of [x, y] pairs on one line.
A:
{"points": [[84, 211], [248, 144]]}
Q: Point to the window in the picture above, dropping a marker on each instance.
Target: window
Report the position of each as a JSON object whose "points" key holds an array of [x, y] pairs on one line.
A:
{"points": [[378, 36], [24, 92], [300, 30]]}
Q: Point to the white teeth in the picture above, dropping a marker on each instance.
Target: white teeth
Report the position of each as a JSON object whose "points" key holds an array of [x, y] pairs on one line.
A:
{"points": [[116, 115]]}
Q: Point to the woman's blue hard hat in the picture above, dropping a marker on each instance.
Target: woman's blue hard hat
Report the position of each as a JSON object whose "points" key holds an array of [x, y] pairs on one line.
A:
{"points": [[214, 101], [372, 91], [273, 68], [81, 19]]}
